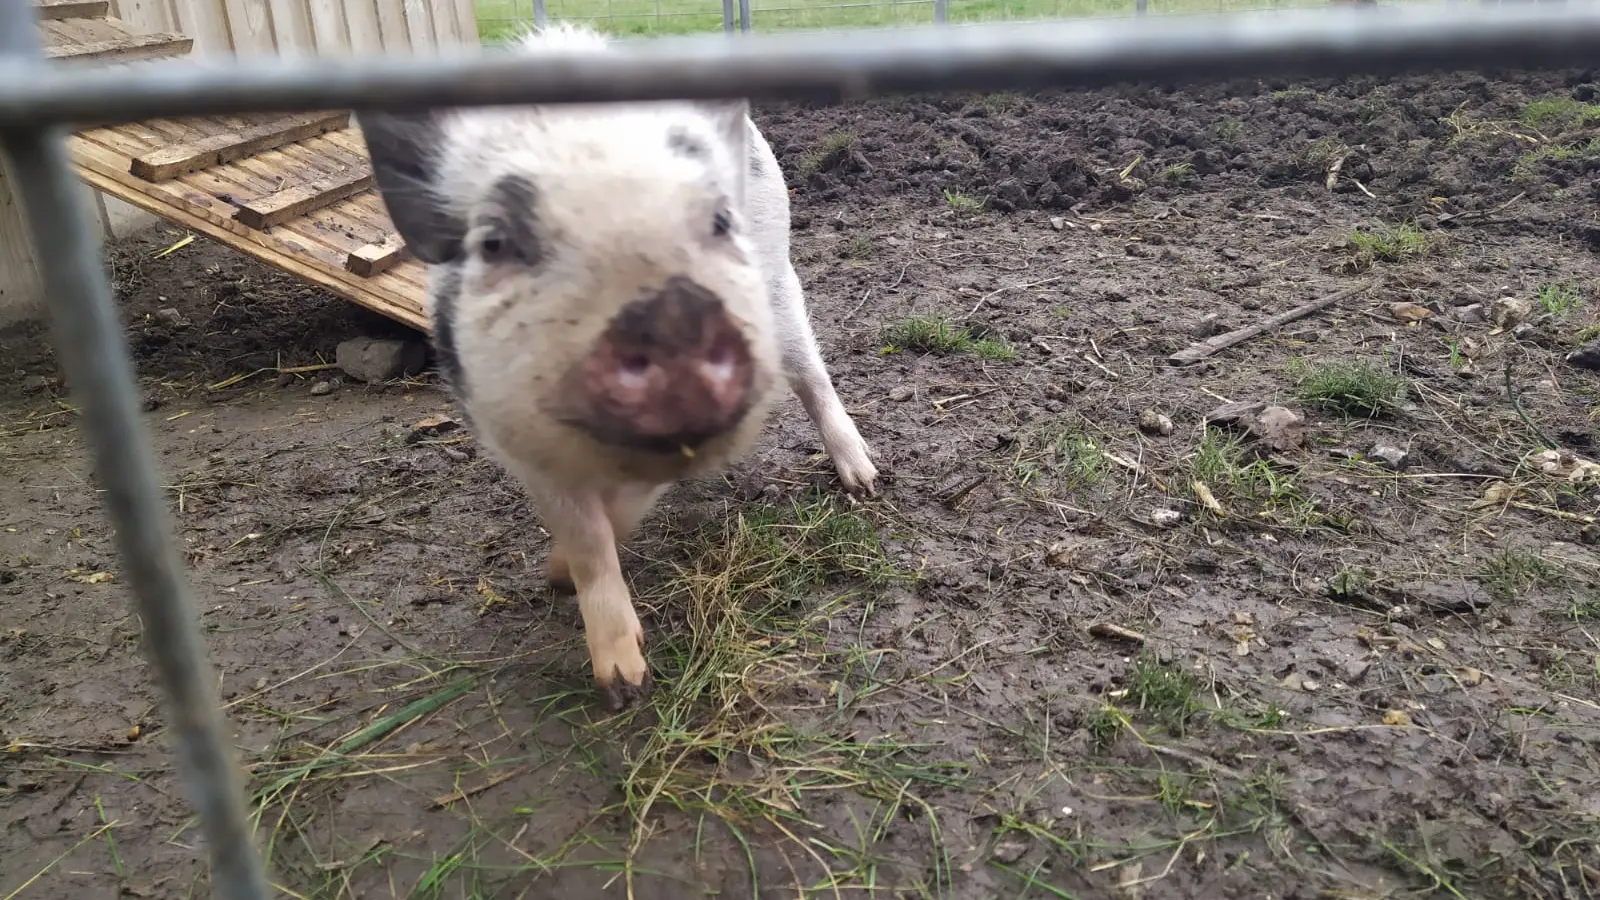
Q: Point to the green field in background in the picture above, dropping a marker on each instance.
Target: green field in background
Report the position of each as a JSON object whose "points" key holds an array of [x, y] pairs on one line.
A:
{"points": [[498, 19]]}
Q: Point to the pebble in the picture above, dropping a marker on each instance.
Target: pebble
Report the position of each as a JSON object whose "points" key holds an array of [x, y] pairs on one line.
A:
{"points": [[1009, 851], [1230, 253], [1152, 422], [1057, 223], [1165, 518], [1587, 356], [1393, 457], [901, 393], [1355, 670], [322, 388], [375, 360]]}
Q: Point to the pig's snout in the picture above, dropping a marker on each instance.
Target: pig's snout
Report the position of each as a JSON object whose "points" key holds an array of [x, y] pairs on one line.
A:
{"points": [[671, 371]]}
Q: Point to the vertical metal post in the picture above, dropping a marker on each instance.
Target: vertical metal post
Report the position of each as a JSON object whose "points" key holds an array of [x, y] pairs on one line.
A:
{"points": [[94, 357], [941, 11], [1140, 7], [744, 16], [727, 16], [541, 16]]}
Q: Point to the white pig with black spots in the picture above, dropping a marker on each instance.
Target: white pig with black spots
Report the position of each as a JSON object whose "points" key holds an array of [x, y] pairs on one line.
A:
{"points": [[614, 309]]}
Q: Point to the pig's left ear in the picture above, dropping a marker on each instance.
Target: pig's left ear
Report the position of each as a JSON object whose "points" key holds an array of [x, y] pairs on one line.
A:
{"points": [[731, 119]]}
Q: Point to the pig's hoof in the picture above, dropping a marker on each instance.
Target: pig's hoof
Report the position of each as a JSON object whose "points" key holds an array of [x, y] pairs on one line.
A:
{"points": [[620, 695], [857, 472]]}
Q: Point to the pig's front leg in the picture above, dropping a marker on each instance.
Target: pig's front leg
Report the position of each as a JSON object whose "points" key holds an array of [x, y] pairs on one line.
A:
{"points": [[580, 526], [626, 505], [808, 378]]}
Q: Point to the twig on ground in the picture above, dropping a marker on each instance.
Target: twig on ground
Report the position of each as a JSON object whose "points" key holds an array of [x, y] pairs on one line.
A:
{"points": [[1209, 346]]}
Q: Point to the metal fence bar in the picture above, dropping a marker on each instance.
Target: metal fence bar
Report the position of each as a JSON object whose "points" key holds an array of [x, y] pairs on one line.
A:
{"points": [[99, 371], [727, 16], [744, 16], [834, 66], [541, 17]]}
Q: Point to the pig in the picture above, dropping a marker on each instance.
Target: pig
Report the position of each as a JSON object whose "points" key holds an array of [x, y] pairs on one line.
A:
{"points": [[613, 309]]}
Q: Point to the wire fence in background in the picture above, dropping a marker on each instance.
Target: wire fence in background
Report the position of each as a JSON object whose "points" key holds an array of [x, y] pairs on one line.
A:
{"points": [[499, 20]]}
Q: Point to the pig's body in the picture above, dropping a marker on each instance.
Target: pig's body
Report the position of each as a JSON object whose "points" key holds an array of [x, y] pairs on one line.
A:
{"points": [[614, 308]]}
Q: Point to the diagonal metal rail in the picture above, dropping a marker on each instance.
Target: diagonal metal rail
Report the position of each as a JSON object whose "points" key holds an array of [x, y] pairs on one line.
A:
{"points": [[39, 101]]}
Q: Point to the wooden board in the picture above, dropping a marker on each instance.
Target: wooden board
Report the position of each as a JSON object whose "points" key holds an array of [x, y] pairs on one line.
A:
{"points": [[50, 10], [293, 191], [129, 49], [170, 162]]}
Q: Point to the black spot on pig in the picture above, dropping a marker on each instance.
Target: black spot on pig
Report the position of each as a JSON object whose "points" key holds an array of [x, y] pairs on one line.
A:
{"points": [[681, 142], [446, 289], [510, 212]]}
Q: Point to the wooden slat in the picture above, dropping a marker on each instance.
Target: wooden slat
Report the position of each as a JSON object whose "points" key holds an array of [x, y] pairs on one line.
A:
{"points": [[170, 162], [392, 294], [134, 47], [374, 259], [298, 200], [50, 10]]}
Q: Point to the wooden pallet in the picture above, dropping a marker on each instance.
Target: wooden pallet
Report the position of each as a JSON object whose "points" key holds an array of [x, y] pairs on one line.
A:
{"points": [[294, 191]]}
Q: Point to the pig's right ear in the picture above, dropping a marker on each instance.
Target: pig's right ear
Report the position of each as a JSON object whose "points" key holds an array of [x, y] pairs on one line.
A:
{"points": [[404, 151]]}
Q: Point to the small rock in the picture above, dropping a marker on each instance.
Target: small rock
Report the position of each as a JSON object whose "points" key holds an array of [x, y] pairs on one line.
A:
{"points": [[169, 316], [1525, 332], [1057, 222], [1165, 518], [902, 393], [1408, 312], [1230, 253], [1230, 413], [375, 360], [1393, 457], [283, 380], [1355, 670], [1587, 356], [1283, 429], [1509, 312], [1472, 312], [431, 426], [1152, 422], [322, 389], [1009, 851], [1294, 681]]}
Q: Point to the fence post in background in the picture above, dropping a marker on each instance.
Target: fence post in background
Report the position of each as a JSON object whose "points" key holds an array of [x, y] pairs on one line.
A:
{"points": [[941, 11], [744, 16], [95, 361], [727, 16], [540, 16], [1140, 7]]}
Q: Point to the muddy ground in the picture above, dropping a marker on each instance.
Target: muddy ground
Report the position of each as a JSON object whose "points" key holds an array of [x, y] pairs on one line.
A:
{"points": [[1349, 647]]}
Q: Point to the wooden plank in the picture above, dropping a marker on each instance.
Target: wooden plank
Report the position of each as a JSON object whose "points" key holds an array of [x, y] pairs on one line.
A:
{"points": [[132, 48], [328, 24], [207, 22], [298, 200], [145, 16], [374, 259], [50, 10], [386, 295], [419, 26], [366, 35], [170, 162], [250, 22], [291, 26]]}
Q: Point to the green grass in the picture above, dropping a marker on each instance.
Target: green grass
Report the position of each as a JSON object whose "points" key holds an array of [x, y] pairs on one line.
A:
{"points": [[1354, 388], [502, 19], [1389, 243], [1559, 297], [935, 334], [1559, 113]]}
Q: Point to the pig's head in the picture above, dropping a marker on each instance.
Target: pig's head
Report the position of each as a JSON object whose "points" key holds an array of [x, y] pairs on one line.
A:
{"points": [[591, 275]]}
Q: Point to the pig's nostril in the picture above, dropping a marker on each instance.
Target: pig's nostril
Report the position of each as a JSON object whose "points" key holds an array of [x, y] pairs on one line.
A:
{"points": [[635, 364]]}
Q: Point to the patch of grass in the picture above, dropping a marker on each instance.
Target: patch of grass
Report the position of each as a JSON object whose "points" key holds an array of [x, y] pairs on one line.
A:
{"points": [[961, 202], [828, 153], [1510, 572], [1219, 463], [1354, 388], [1528, 165], [1179, 174], [759, 588], [1226, 131], [1317, 157], [1560, 297], [1298, 92], [1072, 456], [1559, 113], [858, 247], [935, 334], [1164, 691], [1389, 243]]}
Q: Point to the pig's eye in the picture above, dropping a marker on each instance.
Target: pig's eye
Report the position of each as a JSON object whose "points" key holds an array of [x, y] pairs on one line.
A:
{"points": [[492, 245], [721, 223]]}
